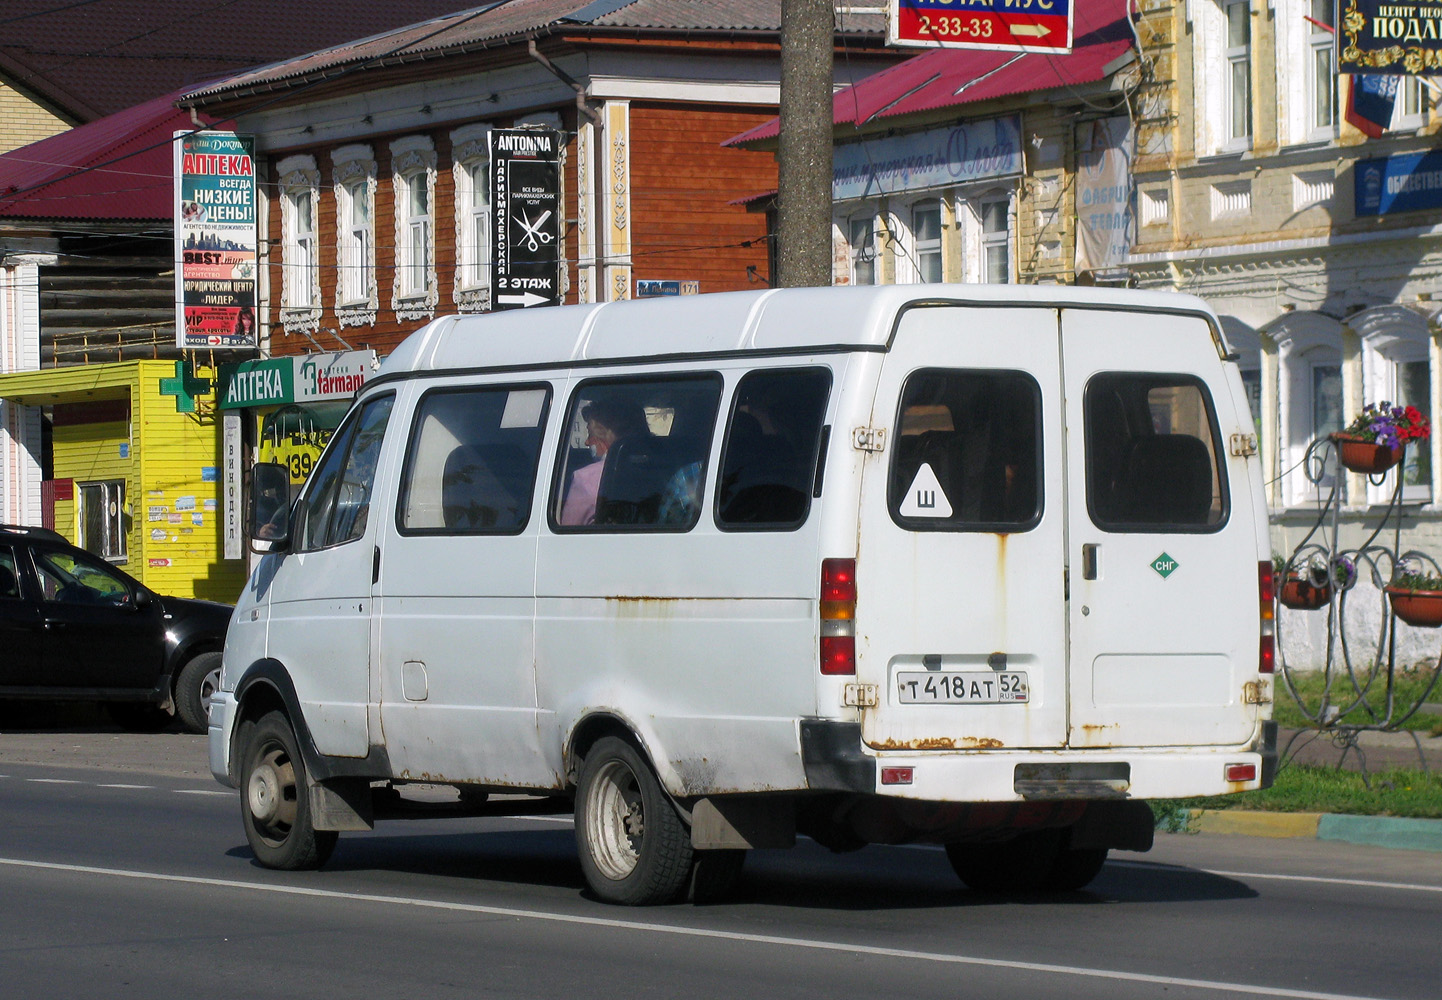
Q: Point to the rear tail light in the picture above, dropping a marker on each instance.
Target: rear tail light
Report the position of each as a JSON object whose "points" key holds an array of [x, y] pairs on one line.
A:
{"points": [[1240, 772], [838, 616], [1267, 612]]}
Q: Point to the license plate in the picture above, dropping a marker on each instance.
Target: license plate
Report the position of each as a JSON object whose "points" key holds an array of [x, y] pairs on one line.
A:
{"points": [[982, 687]]}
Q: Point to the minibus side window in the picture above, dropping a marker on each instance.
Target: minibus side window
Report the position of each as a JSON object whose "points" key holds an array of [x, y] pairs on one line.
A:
{"points": [[967, 452], [768, 464], [471, 465], [338, 502], [634, 455], [1152, 454]]}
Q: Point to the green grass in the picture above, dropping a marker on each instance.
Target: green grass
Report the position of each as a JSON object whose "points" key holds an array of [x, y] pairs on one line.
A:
{"points": [[1410, 685], [1309, 788]]}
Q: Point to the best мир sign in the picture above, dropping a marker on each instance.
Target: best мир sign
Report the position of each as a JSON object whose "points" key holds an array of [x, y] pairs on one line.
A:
{"points": [[1385, 37]]}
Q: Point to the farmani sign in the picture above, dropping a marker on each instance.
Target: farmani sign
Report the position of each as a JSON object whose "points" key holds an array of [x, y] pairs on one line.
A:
{"points": [[1383, 37]]}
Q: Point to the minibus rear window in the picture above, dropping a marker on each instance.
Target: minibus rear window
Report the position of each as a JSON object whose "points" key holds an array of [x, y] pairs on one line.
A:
{"points": [[471, 465], [768, 467], [1152, 445], [967, 454]]}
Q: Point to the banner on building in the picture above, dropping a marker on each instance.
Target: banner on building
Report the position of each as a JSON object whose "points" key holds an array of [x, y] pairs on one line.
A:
{"points": [[920, 161], [1380, 36], [526, 200], [1405, 183], [215, 240], [1014, 25], [1370, 100], [1104, 194]]}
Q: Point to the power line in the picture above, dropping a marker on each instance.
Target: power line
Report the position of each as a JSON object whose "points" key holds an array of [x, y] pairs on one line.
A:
{"points": [[52, 10]]}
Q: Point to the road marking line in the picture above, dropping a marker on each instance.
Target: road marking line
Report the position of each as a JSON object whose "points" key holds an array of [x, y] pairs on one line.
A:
{"points": [[125, 786], [54, 781], [202, 791], [1322, 879], [846, 948]]}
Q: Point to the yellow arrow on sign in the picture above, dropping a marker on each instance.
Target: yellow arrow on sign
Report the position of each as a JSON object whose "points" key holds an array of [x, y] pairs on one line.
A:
{"points": [[1038, 30]]}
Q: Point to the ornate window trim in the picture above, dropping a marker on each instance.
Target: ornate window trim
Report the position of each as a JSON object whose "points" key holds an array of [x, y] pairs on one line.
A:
{"points": [[470, 146], [413, 160], [299, 176], [352, 163]]}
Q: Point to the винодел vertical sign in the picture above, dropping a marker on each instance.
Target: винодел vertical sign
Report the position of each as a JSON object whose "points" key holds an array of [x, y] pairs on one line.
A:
{"points": [[216, 241], [526, 200]]}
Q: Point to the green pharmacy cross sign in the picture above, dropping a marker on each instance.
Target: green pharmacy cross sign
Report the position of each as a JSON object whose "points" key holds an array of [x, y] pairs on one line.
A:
{"points": [[1165, 565], [185, 386]]}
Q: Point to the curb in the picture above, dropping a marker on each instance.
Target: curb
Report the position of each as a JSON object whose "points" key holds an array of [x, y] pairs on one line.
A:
{"points": [[1371, 831]]}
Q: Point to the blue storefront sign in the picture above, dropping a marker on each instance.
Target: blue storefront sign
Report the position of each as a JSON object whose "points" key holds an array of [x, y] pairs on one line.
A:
{"points": [[942, 157], [1405, 183]]}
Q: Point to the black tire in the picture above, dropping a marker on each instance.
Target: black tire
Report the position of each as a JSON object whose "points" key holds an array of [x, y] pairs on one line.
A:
{"points": [[1074, 869], [275, 799], [198, 681], [1022, 864], [634, 848], [139, 716], [716, 875]]}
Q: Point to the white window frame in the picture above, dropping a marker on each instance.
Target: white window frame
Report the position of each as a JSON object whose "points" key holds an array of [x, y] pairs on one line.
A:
{"points": [[1304, 341], [847, 256], [470, 163], [414, 288], [300, 250], [915, 249], [1236, 56], [111, 546], [354, 176], [1211, 78], [1321, 44], [1411, 90], [998, 238], [1384, 348]]}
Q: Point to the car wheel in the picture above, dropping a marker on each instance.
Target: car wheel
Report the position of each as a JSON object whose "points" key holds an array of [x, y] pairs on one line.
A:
{"points": [[275, 799], [1022, 864], [634, 848], [194, 688]]}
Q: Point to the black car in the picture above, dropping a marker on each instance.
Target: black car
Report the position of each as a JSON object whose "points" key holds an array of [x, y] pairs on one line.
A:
{"points": [[75, 628]]}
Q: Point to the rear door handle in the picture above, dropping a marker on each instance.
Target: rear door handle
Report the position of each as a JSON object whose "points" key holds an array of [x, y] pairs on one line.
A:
{"points": [[1090, 561]]}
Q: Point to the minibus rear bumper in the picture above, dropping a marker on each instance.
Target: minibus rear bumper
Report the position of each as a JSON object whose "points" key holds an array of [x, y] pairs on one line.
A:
{"points": [[835, 759]]}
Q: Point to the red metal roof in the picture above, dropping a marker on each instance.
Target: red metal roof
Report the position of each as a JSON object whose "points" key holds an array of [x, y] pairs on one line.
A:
{"points": [[943, 78], [118, 167]]}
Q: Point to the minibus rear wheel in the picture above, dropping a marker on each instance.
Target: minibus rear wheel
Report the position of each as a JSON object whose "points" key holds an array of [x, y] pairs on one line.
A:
{"points": [[275, 799], [634, 848]]}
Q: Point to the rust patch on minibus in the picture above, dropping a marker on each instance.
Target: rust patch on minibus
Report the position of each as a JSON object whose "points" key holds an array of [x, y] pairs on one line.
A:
{"points": [[942, 743]]}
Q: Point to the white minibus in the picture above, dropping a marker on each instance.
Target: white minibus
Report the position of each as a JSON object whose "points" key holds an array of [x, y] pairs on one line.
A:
{"points": [[978, 566]]}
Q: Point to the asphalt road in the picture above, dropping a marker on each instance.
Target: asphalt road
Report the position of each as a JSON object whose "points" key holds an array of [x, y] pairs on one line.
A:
{"points": [[136, 882]]}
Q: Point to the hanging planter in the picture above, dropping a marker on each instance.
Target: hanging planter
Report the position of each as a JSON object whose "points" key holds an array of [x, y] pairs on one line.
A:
{"points": [[1367, 457], [1417, 600], [1299, 594]]}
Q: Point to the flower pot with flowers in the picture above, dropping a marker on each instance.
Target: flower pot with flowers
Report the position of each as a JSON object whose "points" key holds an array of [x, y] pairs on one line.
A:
{"points": [[1375, 441], [1308, 586], [1416, 599]]}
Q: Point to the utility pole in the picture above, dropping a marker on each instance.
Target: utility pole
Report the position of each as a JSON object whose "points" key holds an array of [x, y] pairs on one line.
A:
{"points": [[803, 216]]}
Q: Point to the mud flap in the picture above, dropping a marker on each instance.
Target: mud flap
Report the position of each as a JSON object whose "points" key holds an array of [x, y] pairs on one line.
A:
{"points": [[1124, 825], [741, 823], [341, 804]]}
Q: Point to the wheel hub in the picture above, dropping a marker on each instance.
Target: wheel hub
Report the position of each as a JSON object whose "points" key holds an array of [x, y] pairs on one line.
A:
{"points": [[264, 793]]}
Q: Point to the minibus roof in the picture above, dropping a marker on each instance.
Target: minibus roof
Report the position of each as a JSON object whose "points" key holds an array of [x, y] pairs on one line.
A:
{"points": [[771, 321]]}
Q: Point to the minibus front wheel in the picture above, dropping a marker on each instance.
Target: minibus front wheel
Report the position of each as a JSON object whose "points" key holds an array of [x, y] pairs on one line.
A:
{"points": [[275, 801], [634, 848]]}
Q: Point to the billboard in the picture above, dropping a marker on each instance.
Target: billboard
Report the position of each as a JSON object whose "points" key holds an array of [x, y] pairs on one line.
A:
{"points": [[1380, 36], [526, 200], [1013, 25], [215, 241]]}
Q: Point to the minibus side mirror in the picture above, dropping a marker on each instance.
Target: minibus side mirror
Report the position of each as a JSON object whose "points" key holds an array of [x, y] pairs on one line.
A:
{"points": [[269, 517]]}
